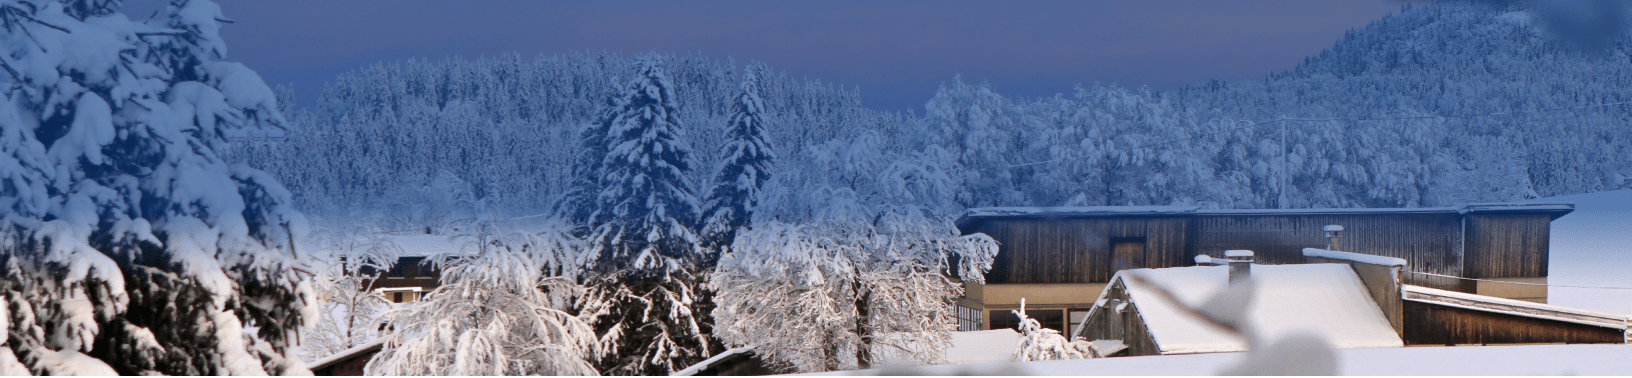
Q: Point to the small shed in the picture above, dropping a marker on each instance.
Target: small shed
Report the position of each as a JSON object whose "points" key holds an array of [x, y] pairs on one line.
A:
{"points": [[1326, 299]]}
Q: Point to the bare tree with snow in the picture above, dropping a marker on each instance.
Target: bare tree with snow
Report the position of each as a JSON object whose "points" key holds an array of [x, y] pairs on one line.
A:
{"points": [[1043, 344], [349, 309], [837, 294], [502, 309]]}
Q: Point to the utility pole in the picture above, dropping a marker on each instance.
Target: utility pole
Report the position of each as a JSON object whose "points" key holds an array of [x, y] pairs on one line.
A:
{"points": [[1284, 171]]}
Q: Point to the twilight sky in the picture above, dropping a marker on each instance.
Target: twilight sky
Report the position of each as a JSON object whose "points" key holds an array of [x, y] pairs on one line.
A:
{"points": [[896, 52]]}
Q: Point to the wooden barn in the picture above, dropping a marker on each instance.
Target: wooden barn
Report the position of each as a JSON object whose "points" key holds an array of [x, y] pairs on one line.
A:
{"points": [[1351, 300], [1060, 258]]}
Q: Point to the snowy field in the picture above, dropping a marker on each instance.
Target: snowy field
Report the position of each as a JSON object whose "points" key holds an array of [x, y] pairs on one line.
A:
{"points": [[1461, 361], [1593, 247]]}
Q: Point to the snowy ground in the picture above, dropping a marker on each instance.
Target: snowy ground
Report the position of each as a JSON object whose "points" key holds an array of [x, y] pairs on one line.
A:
{"points": [[1489, 360], [1593, 247]]}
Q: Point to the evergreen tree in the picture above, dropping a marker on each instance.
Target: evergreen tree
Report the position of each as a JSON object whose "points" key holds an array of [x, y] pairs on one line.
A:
{"points": [[747, 165], [127, 245], [646, 269]]}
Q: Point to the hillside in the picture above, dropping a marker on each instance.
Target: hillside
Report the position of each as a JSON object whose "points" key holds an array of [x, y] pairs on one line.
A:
{"points": [[1442, 104]]}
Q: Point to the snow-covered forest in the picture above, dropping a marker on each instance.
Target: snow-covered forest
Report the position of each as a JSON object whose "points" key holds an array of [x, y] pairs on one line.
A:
{"points": [[1442, 104], [680, 204]]}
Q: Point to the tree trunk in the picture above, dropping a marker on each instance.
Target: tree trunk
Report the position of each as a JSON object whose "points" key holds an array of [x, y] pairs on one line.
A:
{"points": [[864, 359]]}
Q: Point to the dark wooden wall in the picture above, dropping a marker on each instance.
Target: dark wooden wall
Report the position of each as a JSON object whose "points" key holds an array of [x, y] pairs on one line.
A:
{"points": [[1425, 241], [1431, 324], [1078, 250], [1507, 245]]}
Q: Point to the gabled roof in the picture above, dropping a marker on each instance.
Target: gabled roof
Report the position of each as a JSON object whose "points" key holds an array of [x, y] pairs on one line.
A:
{"points": [[982, 213], [1327, 299]]}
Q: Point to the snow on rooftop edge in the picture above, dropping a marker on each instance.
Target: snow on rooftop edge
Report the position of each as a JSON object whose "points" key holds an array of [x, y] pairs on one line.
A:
{"points": [[1013, 211], [1327, 299], [981, 212], [1355, 257], [337, 356]]}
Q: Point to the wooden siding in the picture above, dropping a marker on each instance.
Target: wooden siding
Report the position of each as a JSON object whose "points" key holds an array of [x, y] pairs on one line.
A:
{"points": [[1428, 242], [1106, 323], [1432, 324], [1078, 250], [1507, 245]]}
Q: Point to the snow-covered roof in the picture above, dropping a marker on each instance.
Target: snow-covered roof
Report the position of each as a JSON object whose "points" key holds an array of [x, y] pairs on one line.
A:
{"points": [[1355, 257], [1512, 307], [973, 214], [419, 245], [983, 346], [698, 367], [345, 354], [1326, 299], [1071, 212]]}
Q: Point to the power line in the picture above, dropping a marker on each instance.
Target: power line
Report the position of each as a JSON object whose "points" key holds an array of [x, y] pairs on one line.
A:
{"points": [[1521, 283]]}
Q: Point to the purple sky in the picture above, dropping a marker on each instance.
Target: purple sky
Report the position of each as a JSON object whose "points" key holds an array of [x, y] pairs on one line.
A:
{"points": [[897, 52]]}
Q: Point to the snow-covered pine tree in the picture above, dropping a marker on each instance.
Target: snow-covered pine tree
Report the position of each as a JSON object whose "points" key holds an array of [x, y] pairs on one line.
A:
{"points": [[747, 165], [127, 245], [578, 203], [502, 309], [643, 292]]}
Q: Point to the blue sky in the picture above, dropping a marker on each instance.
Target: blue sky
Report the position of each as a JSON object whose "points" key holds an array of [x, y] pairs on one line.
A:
{"points": [[896, 52]]}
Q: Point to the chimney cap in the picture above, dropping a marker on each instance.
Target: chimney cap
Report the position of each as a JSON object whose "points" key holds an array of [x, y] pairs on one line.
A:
{"points": [[1238, 253], [1333, 227]]}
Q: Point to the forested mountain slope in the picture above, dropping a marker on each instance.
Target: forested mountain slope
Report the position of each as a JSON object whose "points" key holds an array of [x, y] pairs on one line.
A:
{"points": [[1446, 103]]}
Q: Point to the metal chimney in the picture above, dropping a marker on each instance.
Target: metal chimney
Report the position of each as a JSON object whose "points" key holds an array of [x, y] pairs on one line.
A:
{"points": [[1332, 232], [1240, 261]]}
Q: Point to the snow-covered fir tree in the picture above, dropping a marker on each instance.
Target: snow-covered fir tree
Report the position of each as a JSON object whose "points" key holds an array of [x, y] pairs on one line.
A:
{"points": [[747, 165], [502, 309], [127, 244], [646, 268]]}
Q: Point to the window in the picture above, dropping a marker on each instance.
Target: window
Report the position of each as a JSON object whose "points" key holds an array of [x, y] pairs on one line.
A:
{"points": [[1051, 318], [1078, 315], [968, 318]]}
